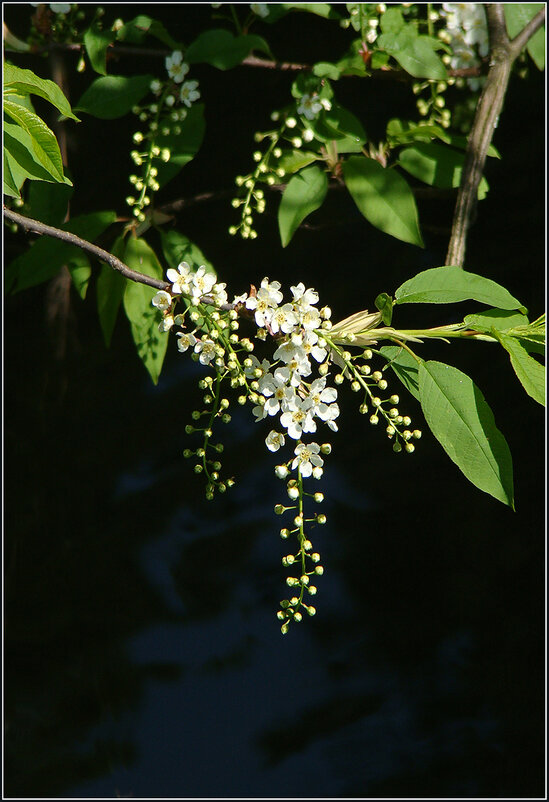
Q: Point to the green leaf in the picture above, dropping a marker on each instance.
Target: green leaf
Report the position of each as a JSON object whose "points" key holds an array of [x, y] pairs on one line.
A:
{"points": [[293, 160], [460, 141], [137, 29], [277, 10], [529, 371], [39, 140], [114, 95], [110, 290], [11, 185], [221, 49], [47, 255], [384, 303], [178, 248], [383, 197], [25, 82], [325, 69], [305, 193], [97, 42], [436, 165], [392, 21], [18, 149], [517, 15], [501, 319], [420, 60], [404, 365], [80, 270], [464, 425], [340, 124], [48, 202], [400, 132], [182, 146], [151, 344], [450, 285]]}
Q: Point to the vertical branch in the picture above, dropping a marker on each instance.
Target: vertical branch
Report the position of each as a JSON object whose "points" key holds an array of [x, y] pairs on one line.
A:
{"points": [[503, 52]]}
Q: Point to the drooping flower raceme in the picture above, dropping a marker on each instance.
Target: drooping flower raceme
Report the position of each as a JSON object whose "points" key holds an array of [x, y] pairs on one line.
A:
{"points": [[293, 391]]}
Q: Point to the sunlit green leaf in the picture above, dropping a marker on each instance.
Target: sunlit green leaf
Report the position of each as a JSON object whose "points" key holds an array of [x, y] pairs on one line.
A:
{"points": [[404, 366], [464, 425], [448, 285], [530, 372], [383, 197], [305, 193], [501, 319], [25, 82], [436, 165], [41, 140]]}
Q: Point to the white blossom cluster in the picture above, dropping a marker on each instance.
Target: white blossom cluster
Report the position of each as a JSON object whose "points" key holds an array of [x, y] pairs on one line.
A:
{"points": [[290, 387], [466, 32], [286, 391], [177, 70]]}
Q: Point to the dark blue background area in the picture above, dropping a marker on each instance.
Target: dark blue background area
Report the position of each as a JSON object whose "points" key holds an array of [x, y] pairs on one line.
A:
{"points": [[143, 656]]}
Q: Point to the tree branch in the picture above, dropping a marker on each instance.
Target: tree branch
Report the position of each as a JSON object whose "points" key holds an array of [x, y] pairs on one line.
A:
{"points": [[503, 52], [521, 39], [41, 228], [115, 50]]}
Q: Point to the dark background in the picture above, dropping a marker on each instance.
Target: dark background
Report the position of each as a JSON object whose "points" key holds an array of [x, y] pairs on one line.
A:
{"points": [[142, 652]]}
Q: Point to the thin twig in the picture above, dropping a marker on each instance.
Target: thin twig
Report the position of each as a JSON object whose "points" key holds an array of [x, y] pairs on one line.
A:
{"points": [[503, 52], [41, 228], [115, 50]]}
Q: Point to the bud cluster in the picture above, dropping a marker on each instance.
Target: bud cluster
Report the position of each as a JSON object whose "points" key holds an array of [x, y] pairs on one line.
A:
{"points": [[163, 118]]}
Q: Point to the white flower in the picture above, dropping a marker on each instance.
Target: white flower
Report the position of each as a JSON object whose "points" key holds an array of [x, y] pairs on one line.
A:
{"points": [[277, 391], [310, 318], [320, 399], [177, 69], [220, 294], [303, 297], [166, 323], [292, 353], [162, 300], [309, 106], [189, 93], [202, 283], [331, 415], [60, 8], [314, 346], [185, 340], [261, 9], [180, 278], [307, 457], [297, 419], [206, 349], [155, 86], [283, 319], [274, 440], [266, 298]]}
